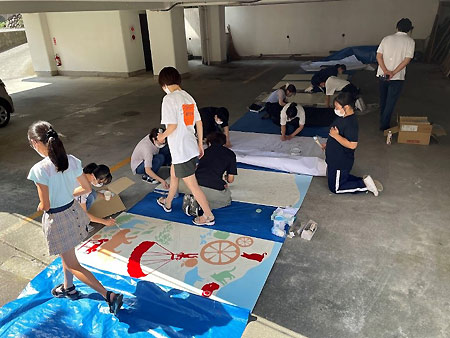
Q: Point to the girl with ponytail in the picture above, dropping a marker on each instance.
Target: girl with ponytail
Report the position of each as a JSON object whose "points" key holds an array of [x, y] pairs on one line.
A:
{"points": [[64, 221]]}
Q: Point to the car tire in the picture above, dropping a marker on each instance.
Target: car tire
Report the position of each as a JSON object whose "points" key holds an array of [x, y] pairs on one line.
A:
{"points": [[4, 115]]}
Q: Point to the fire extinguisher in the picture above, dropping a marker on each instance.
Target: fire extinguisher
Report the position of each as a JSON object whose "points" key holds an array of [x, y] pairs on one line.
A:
{"points": [[58, 60]]}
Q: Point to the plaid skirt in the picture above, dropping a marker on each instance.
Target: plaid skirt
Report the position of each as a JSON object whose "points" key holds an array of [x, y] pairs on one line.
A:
{"points": [[66, 229]]}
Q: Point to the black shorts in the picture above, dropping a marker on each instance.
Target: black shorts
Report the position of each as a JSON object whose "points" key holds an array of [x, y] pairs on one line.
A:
{"points": [[185, 169]]}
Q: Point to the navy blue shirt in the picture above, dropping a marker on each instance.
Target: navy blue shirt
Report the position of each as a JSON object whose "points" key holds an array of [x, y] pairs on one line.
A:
{"points": [[323, 75], [215, 162], [209, 123], [337, 156]]}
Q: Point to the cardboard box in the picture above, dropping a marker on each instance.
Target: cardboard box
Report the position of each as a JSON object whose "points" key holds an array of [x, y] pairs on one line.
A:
{"points": [[412, 130], [102, 208]]}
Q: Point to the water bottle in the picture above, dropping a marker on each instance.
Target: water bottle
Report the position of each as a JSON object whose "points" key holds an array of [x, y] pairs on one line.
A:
{"points": [[389, 137]]}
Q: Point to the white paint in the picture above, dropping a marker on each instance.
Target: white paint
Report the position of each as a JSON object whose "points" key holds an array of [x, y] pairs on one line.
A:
{"points": [[192, 27], [317, 28], [168, 40], [98, 42]]}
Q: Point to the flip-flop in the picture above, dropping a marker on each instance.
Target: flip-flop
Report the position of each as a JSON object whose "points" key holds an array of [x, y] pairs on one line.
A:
{"points": [[163, 204], [208, 221]]}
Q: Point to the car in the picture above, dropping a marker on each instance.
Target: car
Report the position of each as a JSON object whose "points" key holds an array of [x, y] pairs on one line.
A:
{"points": [[6, 105]]}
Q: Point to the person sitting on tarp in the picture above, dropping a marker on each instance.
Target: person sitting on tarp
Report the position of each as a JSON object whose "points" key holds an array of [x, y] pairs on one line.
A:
{"points": [[278, 99], [215, 170], [215, 120], [340, 150], [318, 80], [97, 176], [335, 84], [149, 156], [291, 119]]}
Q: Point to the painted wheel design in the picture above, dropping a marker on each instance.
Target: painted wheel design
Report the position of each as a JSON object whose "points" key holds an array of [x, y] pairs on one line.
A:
{"points": [[220, 252], [244, 241]]}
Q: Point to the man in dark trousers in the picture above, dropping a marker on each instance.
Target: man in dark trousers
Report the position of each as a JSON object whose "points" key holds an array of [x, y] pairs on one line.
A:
{"points": [[393, 55]]}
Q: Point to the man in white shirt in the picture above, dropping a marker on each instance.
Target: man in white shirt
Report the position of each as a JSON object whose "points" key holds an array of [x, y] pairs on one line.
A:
{"points": [[393, 55]]}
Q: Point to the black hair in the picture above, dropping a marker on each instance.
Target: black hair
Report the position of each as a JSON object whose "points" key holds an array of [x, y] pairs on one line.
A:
{"points": [[216, 138], [291, 111], [404, 25], [169, 76], [345, 99], [223, 114], [344, 67], [43, 131], [289, 87], [154, 133], [101, 172]]}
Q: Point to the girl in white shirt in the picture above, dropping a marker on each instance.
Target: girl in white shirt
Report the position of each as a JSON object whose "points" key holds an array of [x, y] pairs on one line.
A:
{"points": [[64, 222], [179, 113]]}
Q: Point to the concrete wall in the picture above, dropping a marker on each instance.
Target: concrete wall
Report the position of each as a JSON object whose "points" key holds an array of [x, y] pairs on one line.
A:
{"points": [[12, 38], [317, 28], [88, 43], [168, 40], [134, 52], [192, 26]]}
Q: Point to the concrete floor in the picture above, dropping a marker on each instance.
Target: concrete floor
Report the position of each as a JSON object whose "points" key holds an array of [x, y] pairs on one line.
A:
{"points": [[377, 267]]}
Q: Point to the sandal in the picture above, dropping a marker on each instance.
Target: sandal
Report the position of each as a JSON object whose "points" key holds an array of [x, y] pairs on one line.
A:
{"points": [[163, 204], [207, 220], [60, 292], [116, 303]]}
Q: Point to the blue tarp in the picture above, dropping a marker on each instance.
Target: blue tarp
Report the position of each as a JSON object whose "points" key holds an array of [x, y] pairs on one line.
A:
{"points": [[365, 54], [150, 310], [252, 123], [255, 223]]}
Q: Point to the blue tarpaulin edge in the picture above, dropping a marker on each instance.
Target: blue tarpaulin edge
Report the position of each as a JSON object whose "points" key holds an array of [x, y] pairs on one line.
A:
{"points": [[149, 310]]}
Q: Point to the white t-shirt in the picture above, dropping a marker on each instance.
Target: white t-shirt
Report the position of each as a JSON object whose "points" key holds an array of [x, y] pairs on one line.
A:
{"points": [[180, 108], [60, 184], [300, 114], [395, 48], [144, 151], [335, 84]]}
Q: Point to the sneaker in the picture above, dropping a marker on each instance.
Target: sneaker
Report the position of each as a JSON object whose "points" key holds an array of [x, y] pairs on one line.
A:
{"points": [[148, 179], [370, 184], [309, 89], [186, 204], [378, 185]]}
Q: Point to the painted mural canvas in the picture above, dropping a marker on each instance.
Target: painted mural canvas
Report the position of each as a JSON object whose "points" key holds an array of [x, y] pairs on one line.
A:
{"points": [[221, 265]]}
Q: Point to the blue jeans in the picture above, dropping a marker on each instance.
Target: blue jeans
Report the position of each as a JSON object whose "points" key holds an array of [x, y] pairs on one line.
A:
{"points": [[160, 159], [389, 94], [342, 182], [91, 199]]}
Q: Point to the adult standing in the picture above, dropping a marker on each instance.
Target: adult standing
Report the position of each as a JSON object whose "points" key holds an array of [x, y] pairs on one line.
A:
{"points": [[393, 55]]}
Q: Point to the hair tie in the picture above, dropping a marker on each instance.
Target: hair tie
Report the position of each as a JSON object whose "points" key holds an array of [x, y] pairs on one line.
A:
{"points": [[51, 133]]}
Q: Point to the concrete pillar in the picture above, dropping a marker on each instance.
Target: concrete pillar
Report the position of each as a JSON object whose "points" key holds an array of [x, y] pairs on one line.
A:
{"points": [[40, 44], [168, 40], [212, 27]]}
